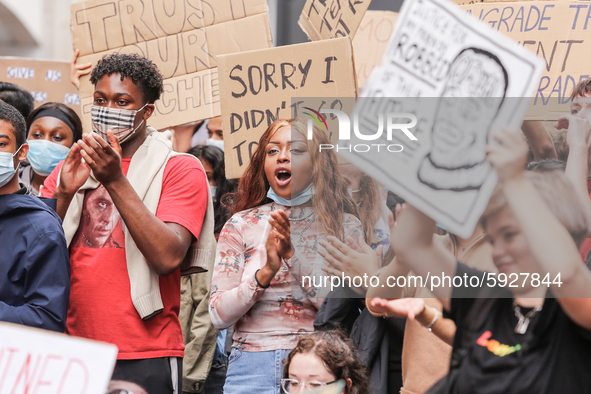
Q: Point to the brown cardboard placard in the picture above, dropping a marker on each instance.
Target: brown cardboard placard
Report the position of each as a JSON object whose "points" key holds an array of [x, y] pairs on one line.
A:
{"points": [[48, 81], [323, 19], [468, 2], [256, 89], [371, 41], [183, 41], [557, 31]]}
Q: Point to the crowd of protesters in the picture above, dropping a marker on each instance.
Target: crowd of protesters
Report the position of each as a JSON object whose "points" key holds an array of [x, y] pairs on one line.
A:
{"points": [[134, 236]]}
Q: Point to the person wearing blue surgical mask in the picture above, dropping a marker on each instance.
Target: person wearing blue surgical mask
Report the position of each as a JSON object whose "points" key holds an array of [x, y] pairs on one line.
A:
{"points": [[52, 129], [34, 269]]}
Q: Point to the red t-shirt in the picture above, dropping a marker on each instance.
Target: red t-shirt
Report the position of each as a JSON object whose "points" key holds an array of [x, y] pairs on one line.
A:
{"points": [[100, 299]]}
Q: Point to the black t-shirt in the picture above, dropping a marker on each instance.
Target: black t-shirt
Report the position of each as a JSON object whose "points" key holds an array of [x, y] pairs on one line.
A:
{"points": [[395, 332], [553, 356]]}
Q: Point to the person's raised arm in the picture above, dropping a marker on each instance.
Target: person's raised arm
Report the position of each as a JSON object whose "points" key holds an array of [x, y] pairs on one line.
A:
{"points": [[415, 308], [413, 243], [578, 140], [73, 175], [539, 140], [164, 256], [233, 294], [553, 248]]}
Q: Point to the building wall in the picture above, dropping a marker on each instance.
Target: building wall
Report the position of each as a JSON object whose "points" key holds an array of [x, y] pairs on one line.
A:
{"points": [[36, 28]]}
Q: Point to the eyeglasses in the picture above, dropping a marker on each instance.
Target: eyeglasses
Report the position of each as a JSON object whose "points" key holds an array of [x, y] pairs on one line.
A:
{"points": [[294, 386]]}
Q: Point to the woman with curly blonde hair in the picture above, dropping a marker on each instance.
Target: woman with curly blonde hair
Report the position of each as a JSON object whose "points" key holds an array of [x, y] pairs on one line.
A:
{"points": [[290, 198]]}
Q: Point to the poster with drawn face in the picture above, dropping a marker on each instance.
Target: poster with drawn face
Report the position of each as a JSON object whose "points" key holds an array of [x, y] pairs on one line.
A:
{"points": [[463, 81]]}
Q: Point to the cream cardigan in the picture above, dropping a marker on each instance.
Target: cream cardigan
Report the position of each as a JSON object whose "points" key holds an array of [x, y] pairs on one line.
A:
{"points": [[145, 176]]}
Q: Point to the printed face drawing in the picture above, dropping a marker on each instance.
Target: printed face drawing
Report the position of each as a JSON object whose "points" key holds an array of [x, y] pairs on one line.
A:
{"points": [[99, 218], [474, 91]]}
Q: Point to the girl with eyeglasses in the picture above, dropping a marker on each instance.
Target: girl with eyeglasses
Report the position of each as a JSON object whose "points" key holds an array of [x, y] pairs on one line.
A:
{"points": [[321, 359]]}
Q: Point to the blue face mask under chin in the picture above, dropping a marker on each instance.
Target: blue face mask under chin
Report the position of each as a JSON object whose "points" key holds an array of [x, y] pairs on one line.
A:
{"points": [[7, 169], [300, 199]]}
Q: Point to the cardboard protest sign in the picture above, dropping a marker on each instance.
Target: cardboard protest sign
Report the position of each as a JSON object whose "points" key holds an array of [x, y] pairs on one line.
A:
{"points": [[465, 81], [48, 81], [256, 89], [35, 361], [323, 19], [556, 31], [183, 39], [371, 41]]}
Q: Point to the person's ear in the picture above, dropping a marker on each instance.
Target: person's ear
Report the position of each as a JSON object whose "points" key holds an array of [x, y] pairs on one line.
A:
{"points": [[22, 153], [149, 111], [349, 385]]}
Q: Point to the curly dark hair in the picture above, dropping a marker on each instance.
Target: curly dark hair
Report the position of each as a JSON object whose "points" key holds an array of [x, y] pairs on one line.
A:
{"points": [[11, 115], [215, 157], [143, 73], [338, 356]]}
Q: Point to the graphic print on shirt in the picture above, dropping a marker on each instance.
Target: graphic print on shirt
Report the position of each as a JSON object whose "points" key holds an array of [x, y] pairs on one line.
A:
{"points": [[283, 274], [291, 306], [252, 217], [494, 346], [100, 223], [228, 229], [240, 342], [248, 252], [229, 262]]}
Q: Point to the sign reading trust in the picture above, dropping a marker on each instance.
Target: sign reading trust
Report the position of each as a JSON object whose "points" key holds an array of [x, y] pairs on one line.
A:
{"points": [[182, 37]]}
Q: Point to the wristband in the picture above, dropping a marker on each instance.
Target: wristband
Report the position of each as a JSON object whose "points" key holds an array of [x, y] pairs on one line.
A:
{"points": [[433, 321], [259, 283]]}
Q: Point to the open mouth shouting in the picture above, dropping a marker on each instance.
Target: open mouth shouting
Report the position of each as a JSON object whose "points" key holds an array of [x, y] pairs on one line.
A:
{"points": [[282, 176]]}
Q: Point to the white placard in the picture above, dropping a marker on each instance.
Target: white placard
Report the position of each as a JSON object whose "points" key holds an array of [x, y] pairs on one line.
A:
{"points": [[44, 362], [443, 55]]}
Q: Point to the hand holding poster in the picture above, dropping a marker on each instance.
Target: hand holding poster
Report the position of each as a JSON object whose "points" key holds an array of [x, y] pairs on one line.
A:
{"points": [[442, 57], [183, 41], [323, 19], [34, 360], [256, 89]]}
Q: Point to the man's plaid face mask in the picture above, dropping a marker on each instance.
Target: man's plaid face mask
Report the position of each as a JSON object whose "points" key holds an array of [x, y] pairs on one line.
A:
{"points": [[119, 121]]}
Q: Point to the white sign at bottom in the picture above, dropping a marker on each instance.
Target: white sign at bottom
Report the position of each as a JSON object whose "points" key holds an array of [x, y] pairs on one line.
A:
{"points": [[44, 362]]}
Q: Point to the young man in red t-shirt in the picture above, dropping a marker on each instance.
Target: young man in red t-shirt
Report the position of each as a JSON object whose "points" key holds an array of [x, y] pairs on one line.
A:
{"points": [[102, 305]]}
